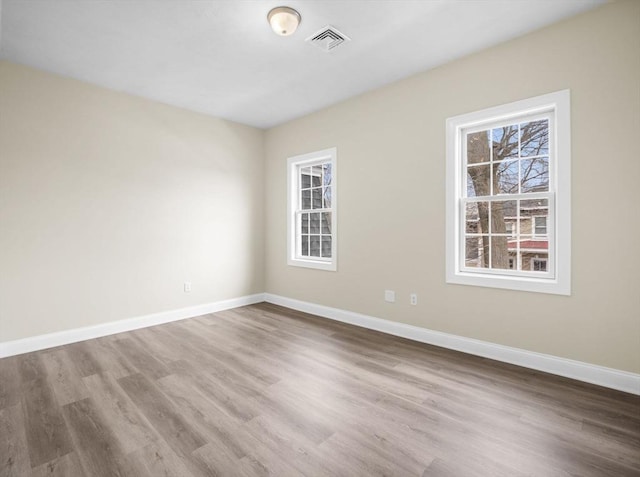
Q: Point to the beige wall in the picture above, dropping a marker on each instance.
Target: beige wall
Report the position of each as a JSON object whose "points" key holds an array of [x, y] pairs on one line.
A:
{"points": [[391, 153], [108, 203]]}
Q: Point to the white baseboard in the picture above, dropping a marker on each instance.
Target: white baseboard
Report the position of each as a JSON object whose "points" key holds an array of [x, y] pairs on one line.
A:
{"points": [[590, 373], [35, 343]]}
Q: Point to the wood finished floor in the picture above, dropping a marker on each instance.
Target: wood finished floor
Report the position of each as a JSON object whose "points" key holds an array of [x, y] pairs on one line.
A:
{"points": [[263, 390]]}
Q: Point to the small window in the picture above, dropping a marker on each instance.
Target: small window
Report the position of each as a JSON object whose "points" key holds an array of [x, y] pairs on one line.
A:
{"points": [[508, 196], [539, 264], [540, 226], [312, 210], [510, 229]]}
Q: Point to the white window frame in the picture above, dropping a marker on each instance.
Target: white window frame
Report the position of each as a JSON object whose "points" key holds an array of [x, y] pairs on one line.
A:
{"points": [[293, 166], [557, 280]]}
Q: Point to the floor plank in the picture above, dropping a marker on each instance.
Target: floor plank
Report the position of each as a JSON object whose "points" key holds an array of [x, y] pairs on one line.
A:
{"points": [[14, 455], [141, 359], [83, 358], [66, 466], [47, 434], [9, 382], [31, 367], [63, 376], [162, 414], [156, 460], [97, 445], [132, 430]]}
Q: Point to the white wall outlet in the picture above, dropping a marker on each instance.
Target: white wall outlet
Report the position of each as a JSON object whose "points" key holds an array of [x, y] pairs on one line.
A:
{"points": [[413, 298], [187, 287], [390, 296]]}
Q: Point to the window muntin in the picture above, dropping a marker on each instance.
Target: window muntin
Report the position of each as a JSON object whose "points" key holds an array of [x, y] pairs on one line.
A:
{"points": [[508, 196], [312, 210]]}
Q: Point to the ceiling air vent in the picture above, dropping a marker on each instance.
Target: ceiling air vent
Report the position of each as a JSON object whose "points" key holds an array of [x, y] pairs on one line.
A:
{"points": [[328, 38]]}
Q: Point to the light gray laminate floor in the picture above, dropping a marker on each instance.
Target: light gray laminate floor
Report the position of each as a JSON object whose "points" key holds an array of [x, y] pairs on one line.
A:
{"points": [[263, 390]]}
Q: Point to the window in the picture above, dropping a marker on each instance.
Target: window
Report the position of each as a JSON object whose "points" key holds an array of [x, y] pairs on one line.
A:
{"points": [[540, 225], [539, 264], [510, 229], [508, 193], [312, 210]]}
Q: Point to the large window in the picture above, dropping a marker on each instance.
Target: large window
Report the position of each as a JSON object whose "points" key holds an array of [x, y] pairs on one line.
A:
{"points": [[312, 210], [508, 193]]}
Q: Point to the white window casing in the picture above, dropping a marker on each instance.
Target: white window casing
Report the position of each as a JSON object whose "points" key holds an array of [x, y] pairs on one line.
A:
{"points": [[554, 198], [312, 210]]}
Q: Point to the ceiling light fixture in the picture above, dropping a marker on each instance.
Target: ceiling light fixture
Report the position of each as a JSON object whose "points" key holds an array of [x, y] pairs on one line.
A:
{"points": [[284, 20]]}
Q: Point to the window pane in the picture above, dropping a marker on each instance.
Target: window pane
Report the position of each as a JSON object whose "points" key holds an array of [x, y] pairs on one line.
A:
{"points": [[532, 248], [505, 142], [305, 177], [472, 219], [478, 180], [326, 174], [327, 197], [316, 176], [314, 245], [317, 198], [305, 245], [535, 174], [503, 212], [506, 177], [304, 223], [528, 210], [478, 147], [326, 223], [477, 252], [472, 250], [499, 252], [306, 199], [326, 246], [314, 227], [534, 138]]}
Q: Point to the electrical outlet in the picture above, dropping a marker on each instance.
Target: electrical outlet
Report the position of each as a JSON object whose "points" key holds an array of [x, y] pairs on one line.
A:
{"points": [[187, 287], [390, 296], [413, 298]]}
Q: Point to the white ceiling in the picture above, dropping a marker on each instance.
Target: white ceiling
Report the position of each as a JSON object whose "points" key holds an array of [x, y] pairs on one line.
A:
{"points": [[221, 58]]}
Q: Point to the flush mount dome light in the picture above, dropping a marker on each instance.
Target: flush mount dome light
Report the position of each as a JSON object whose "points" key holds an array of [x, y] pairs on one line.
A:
{"points": [[284, 20]]}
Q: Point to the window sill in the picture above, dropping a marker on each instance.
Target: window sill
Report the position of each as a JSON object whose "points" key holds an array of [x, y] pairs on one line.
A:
{"points": [[528, 284], [318, 265]]}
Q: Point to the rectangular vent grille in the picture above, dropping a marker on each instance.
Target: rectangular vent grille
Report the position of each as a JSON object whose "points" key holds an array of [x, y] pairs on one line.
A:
{"points": [[328, 38]]}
